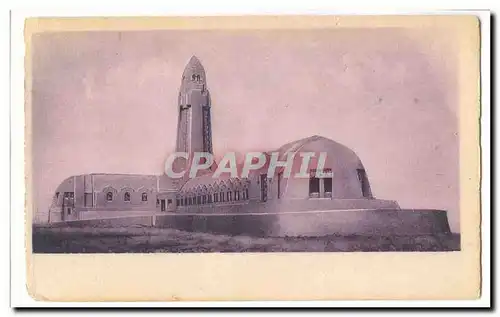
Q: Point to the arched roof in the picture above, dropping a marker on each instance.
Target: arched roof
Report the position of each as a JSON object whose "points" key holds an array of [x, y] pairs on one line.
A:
{"points": [[340, 151]]}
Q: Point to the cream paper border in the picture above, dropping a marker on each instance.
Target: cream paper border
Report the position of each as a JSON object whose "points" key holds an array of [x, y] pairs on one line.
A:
{"points": [[274, 276]]}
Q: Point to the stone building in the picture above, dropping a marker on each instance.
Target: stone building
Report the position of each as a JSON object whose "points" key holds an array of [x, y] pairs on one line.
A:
{"points": [[96, 196]]}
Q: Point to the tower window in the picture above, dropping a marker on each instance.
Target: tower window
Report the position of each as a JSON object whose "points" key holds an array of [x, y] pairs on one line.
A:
{"points": [[126, 197], [109, 196], [144, 197], [280, 176]]}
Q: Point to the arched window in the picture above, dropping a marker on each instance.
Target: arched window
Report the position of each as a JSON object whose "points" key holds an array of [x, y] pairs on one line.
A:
{"points": [[144, 197], [193, 77], [126, 197], [109, 196], [236, 195], [221, 195], [216, 197], [229, 196]]}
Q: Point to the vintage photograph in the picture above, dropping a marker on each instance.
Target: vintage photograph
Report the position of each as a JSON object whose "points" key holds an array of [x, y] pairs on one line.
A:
{"points": [[210, 141]]}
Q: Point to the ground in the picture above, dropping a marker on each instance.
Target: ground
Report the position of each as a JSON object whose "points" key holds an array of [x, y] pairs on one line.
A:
{"points": [[137, 239]]}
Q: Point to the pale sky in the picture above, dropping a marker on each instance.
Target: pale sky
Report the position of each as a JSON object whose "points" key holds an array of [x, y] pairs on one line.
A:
{"points": [[107, 102]]}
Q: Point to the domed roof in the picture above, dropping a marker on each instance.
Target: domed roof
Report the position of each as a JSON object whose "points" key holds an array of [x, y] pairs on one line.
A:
{"points": [[326, 143]]}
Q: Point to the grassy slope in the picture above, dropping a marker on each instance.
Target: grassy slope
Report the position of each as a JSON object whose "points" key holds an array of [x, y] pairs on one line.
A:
{"points": [[145, 239]]}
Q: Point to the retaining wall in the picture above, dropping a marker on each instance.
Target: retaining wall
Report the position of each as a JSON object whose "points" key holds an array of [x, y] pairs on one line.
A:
{"points": [[310, 223]]}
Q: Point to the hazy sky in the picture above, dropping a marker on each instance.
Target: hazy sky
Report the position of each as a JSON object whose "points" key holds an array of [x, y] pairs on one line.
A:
{"points": [[107, 102]]}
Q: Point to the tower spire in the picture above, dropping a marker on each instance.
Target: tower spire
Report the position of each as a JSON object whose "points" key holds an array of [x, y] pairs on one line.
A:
{"points": [[194, 129]]}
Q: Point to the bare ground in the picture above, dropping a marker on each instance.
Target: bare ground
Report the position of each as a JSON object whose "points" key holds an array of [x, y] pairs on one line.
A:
{"points": [[136, 239]]}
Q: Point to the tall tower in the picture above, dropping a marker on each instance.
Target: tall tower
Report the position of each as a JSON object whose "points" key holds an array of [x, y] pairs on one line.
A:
{"points": [[194, 129]]}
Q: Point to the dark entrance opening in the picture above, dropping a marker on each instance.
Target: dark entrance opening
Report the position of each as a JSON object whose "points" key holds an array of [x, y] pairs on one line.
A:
{"points": [[162, 204]]}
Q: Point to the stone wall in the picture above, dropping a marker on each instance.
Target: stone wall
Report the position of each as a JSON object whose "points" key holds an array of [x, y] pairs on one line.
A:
{"points": [[312, 223]]}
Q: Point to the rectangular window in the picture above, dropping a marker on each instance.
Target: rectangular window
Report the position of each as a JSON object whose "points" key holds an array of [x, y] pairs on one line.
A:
{"points": [[88, 199], [363, 181], [328, 183], [69, 199], [313, 184]]}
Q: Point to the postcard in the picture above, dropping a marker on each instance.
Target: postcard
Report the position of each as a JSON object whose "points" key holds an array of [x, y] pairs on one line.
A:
{"points": [[252, 158]]}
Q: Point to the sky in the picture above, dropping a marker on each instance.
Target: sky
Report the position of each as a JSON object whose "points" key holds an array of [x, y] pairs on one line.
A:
{"points": [[107, 102]]}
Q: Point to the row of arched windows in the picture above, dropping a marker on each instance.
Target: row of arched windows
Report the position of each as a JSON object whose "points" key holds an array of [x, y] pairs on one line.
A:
{"points": [[213, 198], [229, 190], [126, 196]]}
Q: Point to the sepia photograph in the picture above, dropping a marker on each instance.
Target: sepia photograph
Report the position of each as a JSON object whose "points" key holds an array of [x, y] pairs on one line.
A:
{"points": [[321, 141]]}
